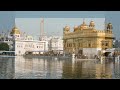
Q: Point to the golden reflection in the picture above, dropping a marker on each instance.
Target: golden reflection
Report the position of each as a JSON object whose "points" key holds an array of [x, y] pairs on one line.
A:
{"points": [[46, 68], [87, 70], [103, 71]]}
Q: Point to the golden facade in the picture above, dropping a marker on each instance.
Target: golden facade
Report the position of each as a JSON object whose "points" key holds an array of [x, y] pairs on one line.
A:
{"points": [[86, 36]]}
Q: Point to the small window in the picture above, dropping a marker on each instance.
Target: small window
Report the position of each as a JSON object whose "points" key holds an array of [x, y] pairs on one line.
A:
{"points": [[102, 44], [89, 45], [69, 45], [79, 44], [106, 44]]}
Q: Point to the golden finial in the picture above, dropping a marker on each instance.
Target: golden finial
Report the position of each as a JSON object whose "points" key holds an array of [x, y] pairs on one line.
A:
{"points": [[83, 20]]}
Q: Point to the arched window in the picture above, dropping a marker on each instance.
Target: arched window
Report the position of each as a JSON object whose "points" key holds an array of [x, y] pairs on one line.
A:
{"points": [[106, 44], [89, 45]]}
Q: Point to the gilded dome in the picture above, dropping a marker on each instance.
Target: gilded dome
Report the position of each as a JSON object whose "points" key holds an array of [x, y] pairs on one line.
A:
{"points": [[92, 22], [15, 30], [76, 28], [67, 28], [83, 26]]}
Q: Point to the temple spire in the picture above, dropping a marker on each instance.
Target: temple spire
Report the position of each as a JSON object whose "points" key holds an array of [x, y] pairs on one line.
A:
{"points": [[83, 20], [42, 27]]}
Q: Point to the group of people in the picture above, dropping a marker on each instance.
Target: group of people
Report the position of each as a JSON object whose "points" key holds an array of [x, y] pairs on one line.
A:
{"points": [[81, 56]]}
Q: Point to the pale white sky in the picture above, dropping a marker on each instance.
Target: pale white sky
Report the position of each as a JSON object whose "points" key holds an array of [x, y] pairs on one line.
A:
{"points": [[54, 25], [7, 20]]}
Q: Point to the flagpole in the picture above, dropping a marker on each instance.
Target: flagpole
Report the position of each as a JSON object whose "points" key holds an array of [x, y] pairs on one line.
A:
{"points": [[42, 27]]}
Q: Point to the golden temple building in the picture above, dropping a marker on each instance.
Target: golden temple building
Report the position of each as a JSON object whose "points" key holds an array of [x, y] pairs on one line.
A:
{"points": [[86, 40]]}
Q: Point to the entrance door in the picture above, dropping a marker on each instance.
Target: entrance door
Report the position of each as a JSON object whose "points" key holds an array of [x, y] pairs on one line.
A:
{"points": [[107, 53], [80, 52]]}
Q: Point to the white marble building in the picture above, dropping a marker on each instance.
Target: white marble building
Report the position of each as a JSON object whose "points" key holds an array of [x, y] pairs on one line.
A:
{"points": [[56, 44], [34, 47], [22, 43]]}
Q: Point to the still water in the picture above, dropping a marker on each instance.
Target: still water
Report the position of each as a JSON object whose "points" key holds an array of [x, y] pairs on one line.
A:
{"points": [[52, 68]]}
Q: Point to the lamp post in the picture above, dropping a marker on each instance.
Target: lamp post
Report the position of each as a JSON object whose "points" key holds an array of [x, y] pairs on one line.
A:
{"points": [[44, 46]]}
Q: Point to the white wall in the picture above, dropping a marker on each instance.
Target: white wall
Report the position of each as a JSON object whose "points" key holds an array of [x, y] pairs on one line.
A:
{"points": [[56, 43], [22, 46], [19, 48], [90, 52]]}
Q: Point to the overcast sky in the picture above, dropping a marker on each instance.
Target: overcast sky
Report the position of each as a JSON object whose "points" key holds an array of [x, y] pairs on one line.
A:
{"points": [[54, 25], [56, 20]]}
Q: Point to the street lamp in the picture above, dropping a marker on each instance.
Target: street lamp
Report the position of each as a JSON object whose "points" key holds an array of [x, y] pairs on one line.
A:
{"points": [[44, 47]]}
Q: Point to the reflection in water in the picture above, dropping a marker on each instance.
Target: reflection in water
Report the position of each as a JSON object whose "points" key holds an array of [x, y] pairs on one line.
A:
{"points": [[104, 71], [88, 70], [7, 68], [116, 69], [51, 68], [37, 68], [79, 70]]}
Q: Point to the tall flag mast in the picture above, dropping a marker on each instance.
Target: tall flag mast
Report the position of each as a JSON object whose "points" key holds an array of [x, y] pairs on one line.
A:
{"points": [[42, 27]]}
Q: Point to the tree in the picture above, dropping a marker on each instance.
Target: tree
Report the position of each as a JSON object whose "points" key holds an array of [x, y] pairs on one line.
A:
{"points": [[4, 47]]}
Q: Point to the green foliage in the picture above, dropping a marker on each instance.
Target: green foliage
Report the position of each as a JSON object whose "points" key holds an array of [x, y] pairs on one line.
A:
{"points": [[114, 46], [4, 47]]}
